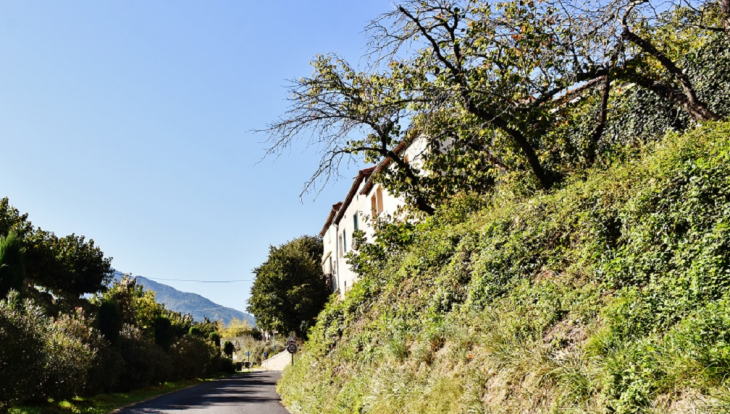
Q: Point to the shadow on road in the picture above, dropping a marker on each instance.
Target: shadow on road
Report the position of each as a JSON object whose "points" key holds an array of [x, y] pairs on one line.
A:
{"points": [[249, 392]]}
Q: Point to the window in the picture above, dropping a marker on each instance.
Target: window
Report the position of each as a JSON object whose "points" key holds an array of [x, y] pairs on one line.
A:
{"points": [[343, 245], [376, 202], [354, 220], [379, 193]]}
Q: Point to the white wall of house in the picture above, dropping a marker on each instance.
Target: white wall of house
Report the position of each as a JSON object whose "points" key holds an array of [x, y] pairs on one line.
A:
{"points": [[358, 213]]}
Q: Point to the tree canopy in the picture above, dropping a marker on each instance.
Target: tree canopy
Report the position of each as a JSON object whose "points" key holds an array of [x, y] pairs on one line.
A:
{"points": [[58, 269], [534, 88], [290, 287]]}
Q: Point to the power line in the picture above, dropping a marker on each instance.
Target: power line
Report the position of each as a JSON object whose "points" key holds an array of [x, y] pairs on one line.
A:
{"points": [[201, 281]]}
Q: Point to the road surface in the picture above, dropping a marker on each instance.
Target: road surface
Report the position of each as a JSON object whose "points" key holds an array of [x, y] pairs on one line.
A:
{"points": [[250, 393]]}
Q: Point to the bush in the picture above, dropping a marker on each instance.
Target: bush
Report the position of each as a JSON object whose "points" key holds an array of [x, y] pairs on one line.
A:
{"points": [[223, 365], [105, 371], [22, 350], [69, 356], [42, 358], [144, 362], [12, 270], [109, 320], [215, 338], [192, 357], [228, 348]]}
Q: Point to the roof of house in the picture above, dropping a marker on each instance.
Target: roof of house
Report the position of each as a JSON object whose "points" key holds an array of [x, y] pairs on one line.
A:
{"points": [[335, 209], [338, 210], [382, 164], [363, 174]]}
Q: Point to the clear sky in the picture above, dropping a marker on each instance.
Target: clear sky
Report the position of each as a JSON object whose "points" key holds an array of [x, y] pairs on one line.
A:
{"points": [[129, 122]]}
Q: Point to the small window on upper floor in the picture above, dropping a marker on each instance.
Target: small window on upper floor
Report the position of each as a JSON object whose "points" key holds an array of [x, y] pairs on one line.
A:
{"points": [[376, 202], [354, 220], [379, 193]]}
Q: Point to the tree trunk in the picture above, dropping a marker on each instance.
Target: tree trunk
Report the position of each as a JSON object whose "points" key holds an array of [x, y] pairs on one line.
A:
{"points": [[421, 202], [521, 140], [696, 108], [601, 123]]}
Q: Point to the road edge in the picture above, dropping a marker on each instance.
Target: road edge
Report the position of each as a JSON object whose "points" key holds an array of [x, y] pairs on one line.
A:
{"points": [[118, 409]]}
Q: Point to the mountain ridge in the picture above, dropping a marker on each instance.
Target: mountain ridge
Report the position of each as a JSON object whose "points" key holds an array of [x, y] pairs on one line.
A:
{"points": [[188, 302]]}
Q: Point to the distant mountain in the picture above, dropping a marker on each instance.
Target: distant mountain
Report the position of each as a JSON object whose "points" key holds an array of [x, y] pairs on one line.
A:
{"points": [[192, 303]]}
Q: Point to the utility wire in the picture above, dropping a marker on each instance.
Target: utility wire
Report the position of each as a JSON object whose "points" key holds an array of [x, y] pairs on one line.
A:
{"points": [[201, 281]]}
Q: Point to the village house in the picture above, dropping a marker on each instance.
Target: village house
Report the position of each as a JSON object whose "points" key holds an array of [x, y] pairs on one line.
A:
{"points": [[365, 201]]}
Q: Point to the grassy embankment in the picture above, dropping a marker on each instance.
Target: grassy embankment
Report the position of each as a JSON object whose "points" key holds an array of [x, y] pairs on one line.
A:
{"points": [[607, 295]]}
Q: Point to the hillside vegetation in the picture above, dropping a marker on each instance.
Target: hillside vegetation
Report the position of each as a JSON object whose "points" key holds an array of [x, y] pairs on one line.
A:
{"points": [[607, 295]]}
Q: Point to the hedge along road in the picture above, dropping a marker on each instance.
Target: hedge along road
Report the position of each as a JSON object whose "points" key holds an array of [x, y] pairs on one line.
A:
{"points": [[250, 393]]}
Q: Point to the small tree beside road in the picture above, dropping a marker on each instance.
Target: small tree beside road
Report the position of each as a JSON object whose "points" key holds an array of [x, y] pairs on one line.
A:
{"points": [[290, 287]]}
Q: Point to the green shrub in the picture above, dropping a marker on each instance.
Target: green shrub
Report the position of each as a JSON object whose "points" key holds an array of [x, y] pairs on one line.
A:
{"points": [[144, 362], [40, 357], [215, 339], [193, 357], [22, 349], [69, 356], [12, 268], [164, 333], [228, 348], [109, 320]]}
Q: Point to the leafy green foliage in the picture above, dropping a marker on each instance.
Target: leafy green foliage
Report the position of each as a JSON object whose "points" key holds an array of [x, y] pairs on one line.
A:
{"points": [[49, 348], [215, 339], [228, 348], [109, 320], [192, 357], [164, 334], [609, 295], [41, 357], [290, 287], [12, 268], [509, 91], [21, 350], [58, 270], [67, 266], [144, 363]]}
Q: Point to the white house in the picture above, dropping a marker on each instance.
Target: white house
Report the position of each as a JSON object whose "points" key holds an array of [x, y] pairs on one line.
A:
{"points": [[365, 200]]}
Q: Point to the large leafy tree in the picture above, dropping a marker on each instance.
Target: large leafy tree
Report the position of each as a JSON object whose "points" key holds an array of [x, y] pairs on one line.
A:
{"points": [[492, 86], [349, 113], [290, 287], [59, 269]]}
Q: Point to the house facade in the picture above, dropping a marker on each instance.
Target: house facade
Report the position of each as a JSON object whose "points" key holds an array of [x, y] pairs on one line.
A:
{"points": [[365, 201]]}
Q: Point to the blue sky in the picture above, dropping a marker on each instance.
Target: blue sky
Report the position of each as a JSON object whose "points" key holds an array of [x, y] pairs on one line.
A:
{"points": [[129, 123]]}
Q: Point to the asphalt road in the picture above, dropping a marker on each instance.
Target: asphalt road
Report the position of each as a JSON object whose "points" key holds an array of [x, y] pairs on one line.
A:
{"points": [[250, 393]]}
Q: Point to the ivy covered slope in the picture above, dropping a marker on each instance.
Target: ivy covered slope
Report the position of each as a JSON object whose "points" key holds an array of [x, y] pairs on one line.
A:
{"points": [[608, 295]]}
